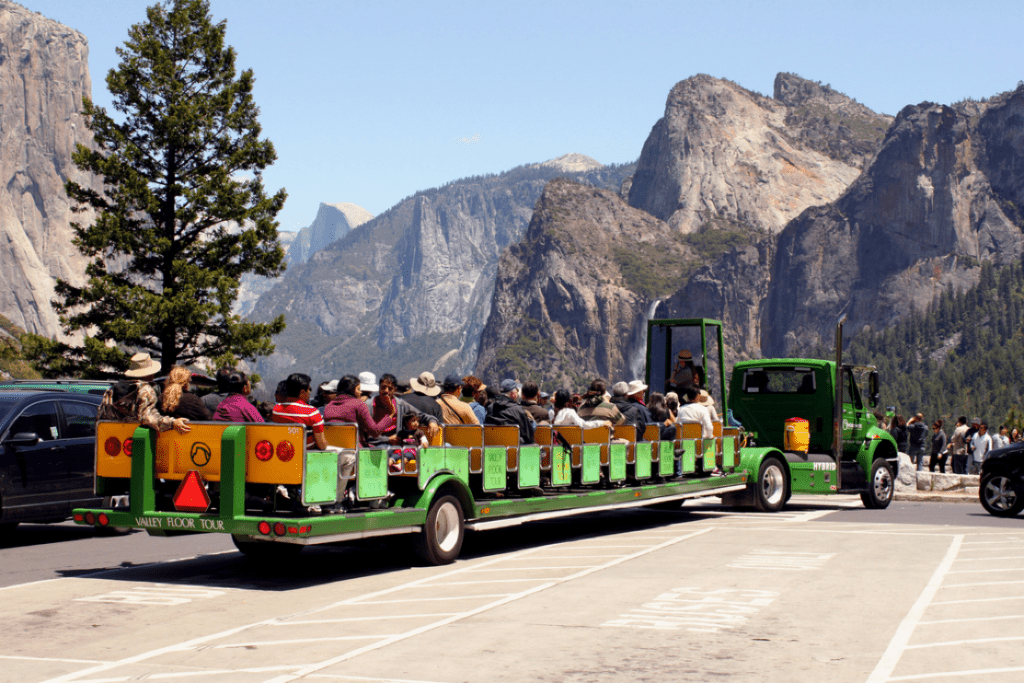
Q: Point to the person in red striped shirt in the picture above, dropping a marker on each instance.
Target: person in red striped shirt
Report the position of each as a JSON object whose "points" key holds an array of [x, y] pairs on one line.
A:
{"points": [[295, 409]]}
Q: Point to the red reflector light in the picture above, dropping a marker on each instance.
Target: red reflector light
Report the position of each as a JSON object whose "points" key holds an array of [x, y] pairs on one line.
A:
{"points": [[264, 528], [112, 446], [293, 529], [264, 451], [280, 529], [305, 529], [127, 447], [89, 518], [79, 518], [104, 520], [285, 451]]}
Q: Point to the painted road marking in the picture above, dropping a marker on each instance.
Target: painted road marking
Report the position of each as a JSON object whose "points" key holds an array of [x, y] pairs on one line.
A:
{"points": [[208, 642], [163, 595], [957, 621], [55, 659], [696, 610], [951, 674], [901, 640], [763, 558]]}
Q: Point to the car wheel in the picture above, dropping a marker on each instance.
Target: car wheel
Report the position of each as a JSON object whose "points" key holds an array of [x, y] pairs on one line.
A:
{"points": [[881, 486], [1001, 495], [771, 486]]}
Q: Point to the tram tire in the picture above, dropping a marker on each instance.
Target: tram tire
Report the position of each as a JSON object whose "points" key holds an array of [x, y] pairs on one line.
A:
{"points": [[265, 550], [772, 484], [441, 539], [881, 486]]}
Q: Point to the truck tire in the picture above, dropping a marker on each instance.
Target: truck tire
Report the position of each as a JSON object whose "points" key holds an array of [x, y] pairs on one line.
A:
{"points": [[1001, 496], [265, 550], [881, 486], [771, 486], [441, 539]]}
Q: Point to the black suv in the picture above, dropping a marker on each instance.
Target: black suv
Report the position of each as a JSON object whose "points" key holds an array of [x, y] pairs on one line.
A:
{"points": [[47, 455]]}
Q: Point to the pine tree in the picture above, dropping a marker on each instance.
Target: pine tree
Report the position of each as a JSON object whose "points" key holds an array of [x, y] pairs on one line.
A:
{"points": [[183, 214]]}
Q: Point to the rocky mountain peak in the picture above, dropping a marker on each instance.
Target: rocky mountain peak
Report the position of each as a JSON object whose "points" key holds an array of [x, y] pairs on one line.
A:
{"points": [[572, 163], [723, 157]]}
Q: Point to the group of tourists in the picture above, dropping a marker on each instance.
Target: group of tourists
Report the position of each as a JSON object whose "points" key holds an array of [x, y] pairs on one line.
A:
{"points": [[966, 450], [390, 412]]}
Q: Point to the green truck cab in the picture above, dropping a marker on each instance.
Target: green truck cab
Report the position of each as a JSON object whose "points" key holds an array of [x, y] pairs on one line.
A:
{"points": [[764, 393]]}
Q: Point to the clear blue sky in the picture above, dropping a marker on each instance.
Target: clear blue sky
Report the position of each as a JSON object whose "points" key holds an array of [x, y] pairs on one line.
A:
{"points": [[368, 102]]}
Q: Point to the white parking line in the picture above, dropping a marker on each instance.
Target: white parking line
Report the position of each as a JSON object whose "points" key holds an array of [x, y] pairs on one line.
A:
{"points": [[945, 643], [293, 641], [900, 641], [986, 583], [988, 571], [314, 668], [55, 659], [445, 599], [990, 559], [425, 582], [314, 622], [973, 600], [957, 621], [950, 674]]}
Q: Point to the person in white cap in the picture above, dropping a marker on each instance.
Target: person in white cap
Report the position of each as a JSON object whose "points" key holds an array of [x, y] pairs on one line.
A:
{"points": [[368, 386], [136, 401]]}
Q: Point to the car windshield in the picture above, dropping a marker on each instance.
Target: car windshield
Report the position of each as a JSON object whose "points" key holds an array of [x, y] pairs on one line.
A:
{"points": [[6, 404]]}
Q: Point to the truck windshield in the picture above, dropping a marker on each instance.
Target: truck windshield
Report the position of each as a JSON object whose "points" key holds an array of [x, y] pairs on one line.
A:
{"points": [[779, 381]]}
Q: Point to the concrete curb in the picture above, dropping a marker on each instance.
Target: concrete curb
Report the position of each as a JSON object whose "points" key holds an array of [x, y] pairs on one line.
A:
{"points": [[921, 497]]}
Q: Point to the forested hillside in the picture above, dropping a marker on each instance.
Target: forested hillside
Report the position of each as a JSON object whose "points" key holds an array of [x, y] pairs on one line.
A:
{"points": [[965, 356]]}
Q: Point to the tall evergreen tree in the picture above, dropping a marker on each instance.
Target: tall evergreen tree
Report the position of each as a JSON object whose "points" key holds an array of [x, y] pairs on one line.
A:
{"points": [[183, 213]]}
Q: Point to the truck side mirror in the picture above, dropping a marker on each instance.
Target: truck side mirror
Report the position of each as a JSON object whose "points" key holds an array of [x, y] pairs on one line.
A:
{"points": [[873, 393]]}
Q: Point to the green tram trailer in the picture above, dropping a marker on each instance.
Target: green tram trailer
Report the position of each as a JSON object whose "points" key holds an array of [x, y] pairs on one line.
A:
{"points": [[259, 483]]}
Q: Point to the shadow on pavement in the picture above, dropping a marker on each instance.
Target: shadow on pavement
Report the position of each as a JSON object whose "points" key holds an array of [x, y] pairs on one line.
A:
{"points": [[26, 535], [324, 564]]}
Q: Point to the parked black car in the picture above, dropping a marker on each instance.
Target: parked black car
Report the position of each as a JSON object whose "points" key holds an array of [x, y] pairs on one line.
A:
{"points": [[1002, 481], [47, 455]]}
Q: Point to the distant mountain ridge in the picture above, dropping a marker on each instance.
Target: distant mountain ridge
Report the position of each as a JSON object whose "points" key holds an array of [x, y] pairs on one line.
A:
{"points": [[411, 289]]}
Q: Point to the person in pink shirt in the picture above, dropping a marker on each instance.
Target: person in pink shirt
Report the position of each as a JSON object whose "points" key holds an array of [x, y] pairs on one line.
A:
{"points": [[349, 406], [235, 407]]}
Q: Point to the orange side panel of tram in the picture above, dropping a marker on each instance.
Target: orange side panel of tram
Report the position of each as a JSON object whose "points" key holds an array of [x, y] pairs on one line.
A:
{"points": [[113, 448]]}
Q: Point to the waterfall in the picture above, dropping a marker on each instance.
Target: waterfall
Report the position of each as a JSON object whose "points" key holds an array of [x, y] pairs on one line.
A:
{"points": [[639, 355]]}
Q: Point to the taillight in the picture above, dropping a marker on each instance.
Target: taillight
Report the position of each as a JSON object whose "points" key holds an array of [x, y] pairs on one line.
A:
{"points": [[79, 518], [127, 447], [285, 451], [264, 451], [264, 528], [104, 520], [280, 529], [112, 446], [89, 519]]}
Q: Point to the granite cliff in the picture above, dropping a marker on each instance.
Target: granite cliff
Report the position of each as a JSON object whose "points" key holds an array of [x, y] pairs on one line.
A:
{"points": [[943, 193], [571, 298], [44, 75], [723, 156], [411, 289]]}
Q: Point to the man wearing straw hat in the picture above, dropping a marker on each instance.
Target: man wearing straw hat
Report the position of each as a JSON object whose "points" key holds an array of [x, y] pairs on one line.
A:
{"points": [[136, 401]]}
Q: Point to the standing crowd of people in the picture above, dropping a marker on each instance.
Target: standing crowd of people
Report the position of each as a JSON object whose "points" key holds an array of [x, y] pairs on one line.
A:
{"points": [[965, 450]]}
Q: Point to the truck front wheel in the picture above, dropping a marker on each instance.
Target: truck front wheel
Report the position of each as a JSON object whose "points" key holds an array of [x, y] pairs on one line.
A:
{"points": [[881, 486], [441, 538], [771, 486]]}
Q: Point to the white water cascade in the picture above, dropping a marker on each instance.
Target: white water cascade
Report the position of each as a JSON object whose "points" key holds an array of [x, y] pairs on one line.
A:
{"points": [[639, 355]]}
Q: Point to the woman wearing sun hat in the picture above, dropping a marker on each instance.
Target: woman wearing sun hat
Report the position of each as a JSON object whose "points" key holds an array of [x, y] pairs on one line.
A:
{"points": [[136, 401]]}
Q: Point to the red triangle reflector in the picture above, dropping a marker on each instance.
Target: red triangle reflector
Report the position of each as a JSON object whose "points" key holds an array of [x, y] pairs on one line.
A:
{"points": [[191, 495]]}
